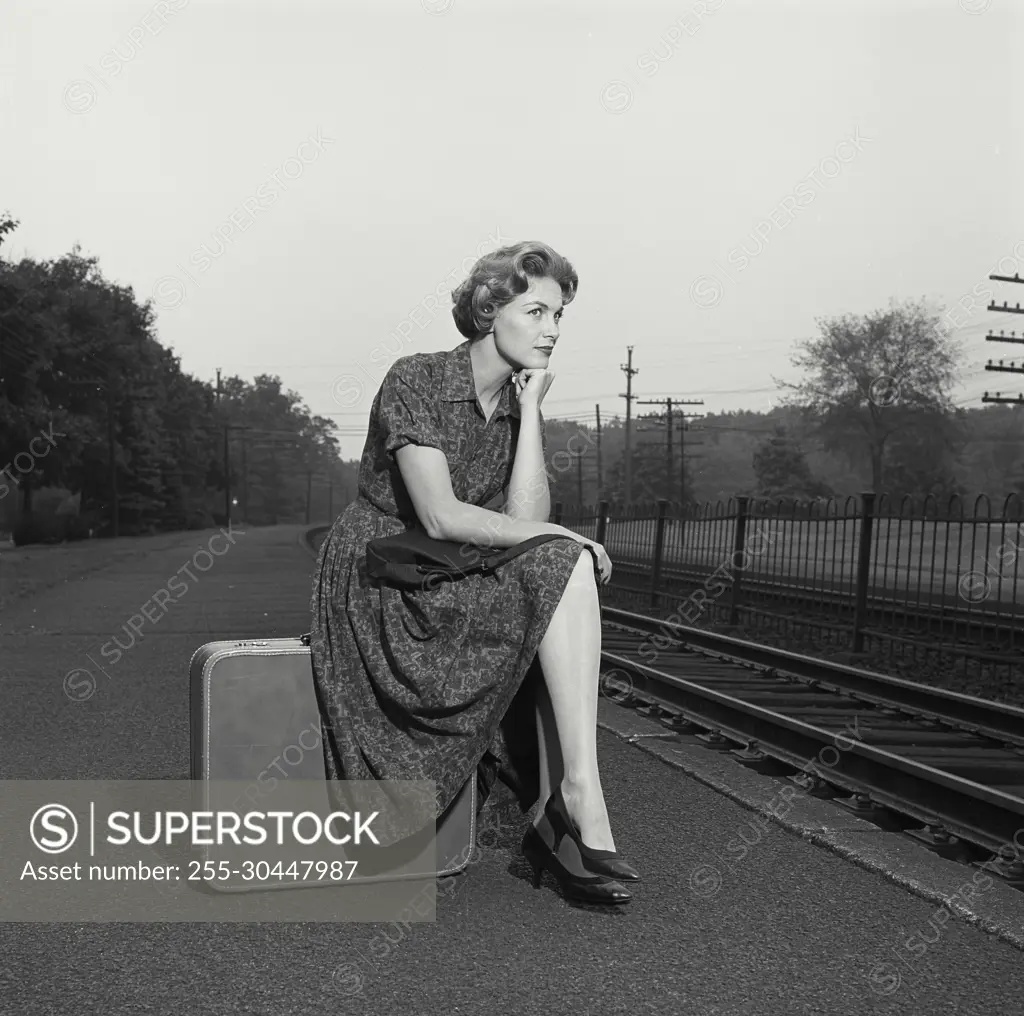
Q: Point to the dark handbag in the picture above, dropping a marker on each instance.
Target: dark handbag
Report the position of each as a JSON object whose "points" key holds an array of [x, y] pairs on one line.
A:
{"points": [[412, 560]]}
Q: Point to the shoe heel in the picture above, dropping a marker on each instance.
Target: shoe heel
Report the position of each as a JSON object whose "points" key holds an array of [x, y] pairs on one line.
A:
{"points": [[537, 872], [586, 888], [535, 861]]}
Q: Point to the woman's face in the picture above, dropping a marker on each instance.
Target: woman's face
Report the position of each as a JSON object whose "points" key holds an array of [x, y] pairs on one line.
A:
{"points": [[526, 330]]}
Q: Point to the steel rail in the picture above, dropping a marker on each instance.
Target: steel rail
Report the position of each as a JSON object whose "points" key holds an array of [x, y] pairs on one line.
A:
{"points": [[984, 816], [996, 720], [973, 812]]}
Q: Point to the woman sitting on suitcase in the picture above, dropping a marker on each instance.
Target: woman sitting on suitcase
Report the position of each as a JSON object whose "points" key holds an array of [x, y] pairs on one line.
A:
{"points": [[420, 685]]}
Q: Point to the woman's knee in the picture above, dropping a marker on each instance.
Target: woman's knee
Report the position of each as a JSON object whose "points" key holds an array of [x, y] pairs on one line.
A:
{"points": [[582, 578]]}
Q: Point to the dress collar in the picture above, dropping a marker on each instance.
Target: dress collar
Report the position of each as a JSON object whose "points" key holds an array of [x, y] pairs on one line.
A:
{"points": [[459, 385]]}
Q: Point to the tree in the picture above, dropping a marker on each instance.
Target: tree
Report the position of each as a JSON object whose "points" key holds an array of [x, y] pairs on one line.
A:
{"points": [[782, 471], [872, 379], [650, 479], [31, 402], [92, 403], [7, 225]]}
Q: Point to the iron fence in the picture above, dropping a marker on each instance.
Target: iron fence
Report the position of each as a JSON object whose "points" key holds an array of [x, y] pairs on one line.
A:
{"points": [[924, 582]]}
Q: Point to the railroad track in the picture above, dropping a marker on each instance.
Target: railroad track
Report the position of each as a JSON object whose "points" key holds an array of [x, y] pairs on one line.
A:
{"points": [[895, 752]]}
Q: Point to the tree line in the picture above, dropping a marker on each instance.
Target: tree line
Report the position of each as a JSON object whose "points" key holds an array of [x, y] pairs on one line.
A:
{"points": [[102, 433]]}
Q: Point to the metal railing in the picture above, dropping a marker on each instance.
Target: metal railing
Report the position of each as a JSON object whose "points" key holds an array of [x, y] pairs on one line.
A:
{"points": [[929, 580]]}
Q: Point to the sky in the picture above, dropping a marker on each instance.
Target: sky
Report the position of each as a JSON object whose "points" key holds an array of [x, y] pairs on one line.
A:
{"points": [[298, 186]]}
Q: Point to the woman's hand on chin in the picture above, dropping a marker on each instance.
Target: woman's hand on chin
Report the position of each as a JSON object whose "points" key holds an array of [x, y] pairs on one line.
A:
{"points": [[532, 384]]}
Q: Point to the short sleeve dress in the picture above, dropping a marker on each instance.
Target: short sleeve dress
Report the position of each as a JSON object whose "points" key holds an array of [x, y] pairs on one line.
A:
{"points": [[435, 684]]}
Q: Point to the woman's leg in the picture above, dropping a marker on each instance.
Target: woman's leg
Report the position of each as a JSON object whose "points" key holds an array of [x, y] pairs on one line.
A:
{"points": [[550, 754], [570, 658]]}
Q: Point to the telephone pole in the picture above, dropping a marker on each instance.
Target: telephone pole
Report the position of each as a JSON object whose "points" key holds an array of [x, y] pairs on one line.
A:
{"points": [[667, 403], [1002, 337], [227, 471], [245, 480], [600, 481], [228, 428], [667, 419], [106, 385], [270, 439], [684, 426], [629, 371]]}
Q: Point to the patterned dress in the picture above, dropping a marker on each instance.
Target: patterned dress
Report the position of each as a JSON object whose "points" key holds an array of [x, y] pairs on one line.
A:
{"points": [[438, 684]]}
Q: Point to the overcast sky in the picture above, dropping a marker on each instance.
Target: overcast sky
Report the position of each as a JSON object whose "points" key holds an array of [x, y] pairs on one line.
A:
{"points": [[291, 181]]}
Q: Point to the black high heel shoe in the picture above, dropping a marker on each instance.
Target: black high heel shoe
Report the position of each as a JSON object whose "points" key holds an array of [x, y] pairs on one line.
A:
{"points": [[571, 870], [608, 863], [577, 885]]}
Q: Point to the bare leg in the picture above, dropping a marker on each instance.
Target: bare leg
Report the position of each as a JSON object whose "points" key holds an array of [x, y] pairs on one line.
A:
{"points": [[570, 657], [550, 754]]}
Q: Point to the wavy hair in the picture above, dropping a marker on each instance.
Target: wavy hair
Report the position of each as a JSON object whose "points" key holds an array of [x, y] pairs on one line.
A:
{"points": [[499, 277]]}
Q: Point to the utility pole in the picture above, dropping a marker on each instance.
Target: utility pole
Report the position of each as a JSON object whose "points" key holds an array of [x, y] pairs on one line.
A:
{"points": [[245, 479], [683, 427], [228, 427], [218, 386], [107, 387], [666, 417], [1002, 337], [629, 371], [275, 481], [115, 514], [227, 473], [268, 440], [600, 480]]}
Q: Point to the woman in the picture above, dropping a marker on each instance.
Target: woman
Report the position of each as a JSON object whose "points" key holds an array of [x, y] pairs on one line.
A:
{"points": [[418, 686]]}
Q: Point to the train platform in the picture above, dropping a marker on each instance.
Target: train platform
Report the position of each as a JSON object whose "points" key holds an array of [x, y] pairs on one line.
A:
{"points": [[756, 898]]}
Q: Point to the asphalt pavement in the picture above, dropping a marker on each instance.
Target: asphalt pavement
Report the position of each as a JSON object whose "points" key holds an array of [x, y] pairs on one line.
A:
{"points": [[737, 913]]}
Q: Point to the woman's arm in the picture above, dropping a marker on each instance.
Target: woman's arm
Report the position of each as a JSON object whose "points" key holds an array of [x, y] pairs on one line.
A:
{"points": [[425, 473], [528, 495]]}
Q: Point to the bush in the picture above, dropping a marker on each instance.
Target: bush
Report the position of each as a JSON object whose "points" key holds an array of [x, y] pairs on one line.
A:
{"points": [[135, 529], [77, 528], [26, 530], [40, 529], [201, 520], [46, 500]]}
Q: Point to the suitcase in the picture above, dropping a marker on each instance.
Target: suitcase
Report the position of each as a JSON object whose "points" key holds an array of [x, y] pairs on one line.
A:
{"points": [[253, 711]]}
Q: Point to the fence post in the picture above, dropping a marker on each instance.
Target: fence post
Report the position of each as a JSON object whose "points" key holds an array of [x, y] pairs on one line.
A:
{"points": [[860, 608], [558, 513], [739, 549], [659, 550], [602, 522]]}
